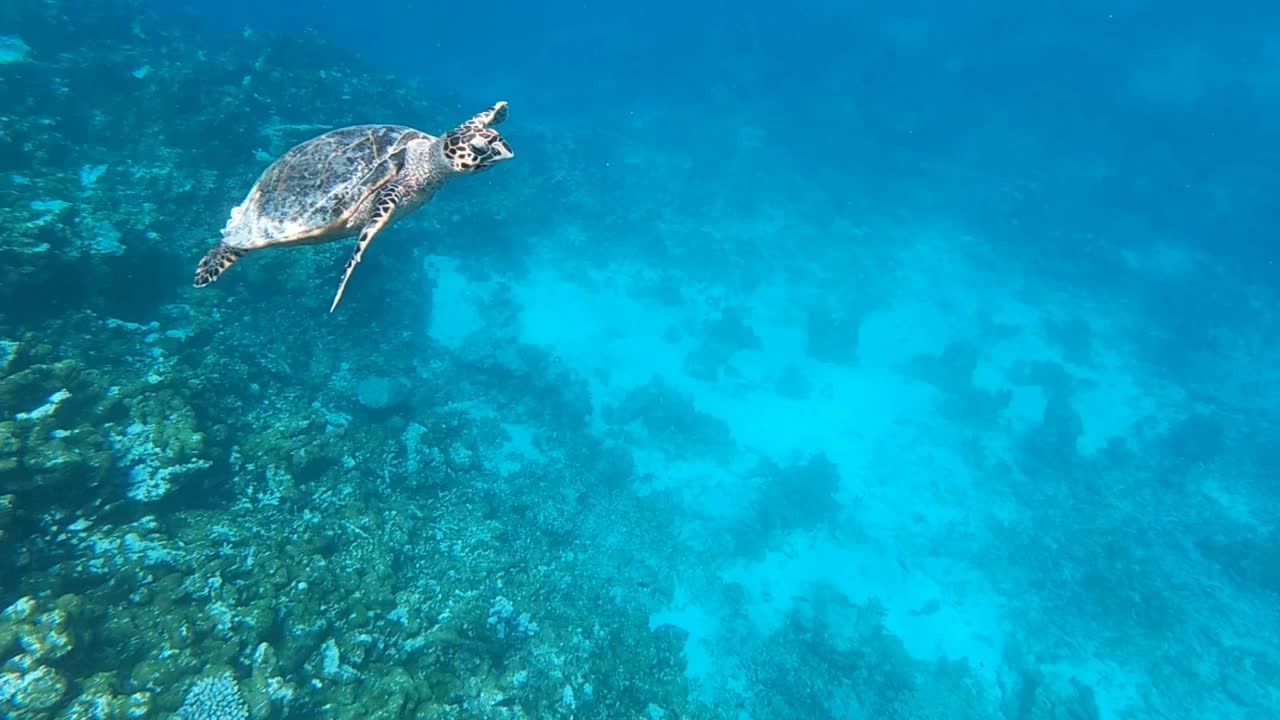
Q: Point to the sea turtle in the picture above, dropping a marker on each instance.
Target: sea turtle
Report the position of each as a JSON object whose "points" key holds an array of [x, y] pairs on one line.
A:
{"points": [[352, 181]]}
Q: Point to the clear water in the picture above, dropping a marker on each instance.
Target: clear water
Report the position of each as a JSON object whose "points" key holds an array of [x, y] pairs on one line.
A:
{"points": [[873, 360]]}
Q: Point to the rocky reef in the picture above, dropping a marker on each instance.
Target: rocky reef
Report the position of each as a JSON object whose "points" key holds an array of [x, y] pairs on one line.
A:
{"points": [[203, 524]]}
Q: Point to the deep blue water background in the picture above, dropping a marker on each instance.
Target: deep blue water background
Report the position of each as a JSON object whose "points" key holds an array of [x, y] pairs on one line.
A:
{"points": [[1179, 96]]}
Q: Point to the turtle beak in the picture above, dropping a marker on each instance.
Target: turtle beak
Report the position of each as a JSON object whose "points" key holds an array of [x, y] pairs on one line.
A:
{"points": [[501, 151]]}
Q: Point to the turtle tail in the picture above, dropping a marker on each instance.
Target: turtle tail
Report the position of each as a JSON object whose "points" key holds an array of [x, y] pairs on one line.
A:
{"points": [[215, 262]]}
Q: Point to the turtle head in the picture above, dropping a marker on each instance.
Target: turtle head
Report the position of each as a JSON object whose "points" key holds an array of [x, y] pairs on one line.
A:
{"points": [[474, 145]]}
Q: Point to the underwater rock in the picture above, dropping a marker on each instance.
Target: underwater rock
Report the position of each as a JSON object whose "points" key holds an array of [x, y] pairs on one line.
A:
{"points": [[19, 611], [33, 458], [671, 419], [29, 687], [29, 695], [381, 393], [50, 439], [331, 660], [37, 386], [266, 689], [47, 638], [798, 496], [506, 624], [161, 446], [99, 699], [418, 452]]}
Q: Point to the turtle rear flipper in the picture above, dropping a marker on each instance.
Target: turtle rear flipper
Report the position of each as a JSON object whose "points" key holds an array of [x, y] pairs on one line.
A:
{"points": [[220, 257]]}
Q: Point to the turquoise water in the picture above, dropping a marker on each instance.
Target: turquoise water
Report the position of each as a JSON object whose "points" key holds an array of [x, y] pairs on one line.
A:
{"points": [[903, 360]]}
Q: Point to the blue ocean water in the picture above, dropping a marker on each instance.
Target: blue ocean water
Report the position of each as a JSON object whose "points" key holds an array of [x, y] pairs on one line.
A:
{"points": [[839, 360]]}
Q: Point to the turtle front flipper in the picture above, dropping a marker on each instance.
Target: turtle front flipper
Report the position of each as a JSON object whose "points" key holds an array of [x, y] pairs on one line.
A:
{"points": [[220, 257], [382, 212], [492, 116]]}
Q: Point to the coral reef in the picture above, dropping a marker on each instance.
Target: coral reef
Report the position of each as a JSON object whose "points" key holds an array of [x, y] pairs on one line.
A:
{"points": [[215, 697], [214, 527]]}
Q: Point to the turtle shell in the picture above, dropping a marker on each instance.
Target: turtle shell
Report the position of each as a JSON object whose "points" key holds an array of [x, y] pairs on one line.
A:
{"points": [[319, 189]]}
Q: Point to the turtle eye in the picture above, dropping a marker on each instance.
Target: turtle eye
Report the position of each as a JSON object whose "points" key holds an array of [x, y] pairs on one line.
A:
{"points": [[479, 145]]}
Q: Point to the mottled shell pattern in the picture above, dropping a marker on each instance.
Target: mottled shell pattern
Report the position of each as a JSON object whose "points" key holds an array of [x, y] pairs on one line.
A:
{"points": [[319, 187]]}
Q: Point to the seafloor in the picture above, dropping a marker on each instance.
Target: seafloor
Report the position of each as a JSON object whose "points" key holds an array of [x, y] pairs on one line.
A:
{"points": [[590, 437]]}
